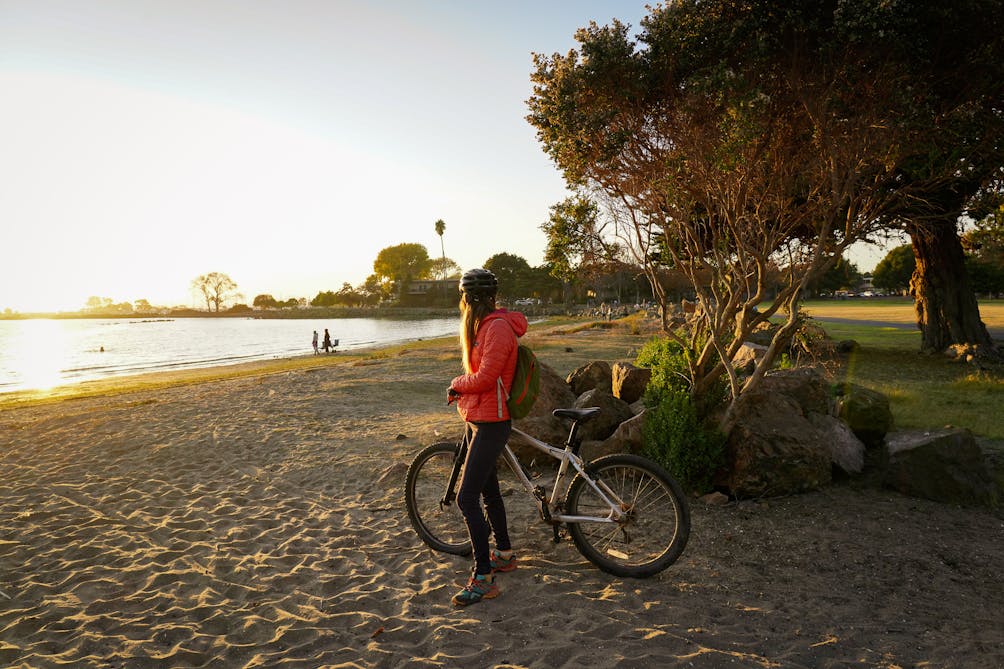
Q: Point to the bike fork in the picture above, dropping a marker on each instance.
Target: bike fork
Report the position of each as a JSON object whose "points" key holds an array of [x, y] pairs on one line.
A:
{"points": [[450, 495]]}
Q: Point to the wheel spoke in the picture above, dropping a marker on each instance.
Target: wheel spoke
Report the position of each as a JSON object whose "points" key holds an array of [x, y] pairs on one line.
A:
{"points": [[654, 525]]}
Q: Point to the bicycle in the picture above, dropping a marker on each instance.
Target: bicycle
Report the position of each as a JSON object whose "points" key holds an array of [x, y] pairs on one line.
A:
{"points": [[624, 512]]}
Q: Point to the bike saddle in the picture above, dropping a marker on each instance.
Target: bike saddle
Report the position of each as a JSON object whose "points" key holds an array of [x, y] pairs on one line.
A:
{"points": [[580, 415]]}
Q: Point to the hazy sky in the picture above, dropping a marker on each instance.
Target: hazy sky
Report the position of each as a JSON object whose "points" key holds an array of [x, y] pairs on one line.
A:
{"points": [[283, 142]]}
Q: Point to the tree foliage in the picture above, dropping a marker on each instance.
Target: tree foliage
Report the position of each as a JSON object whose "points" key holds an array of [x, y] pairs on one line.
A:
{"points": [[893, 272], [401, 264], [984, 246], [216, 288], [444, 268], [951, 57], [727, 144], [513, 273], [264, 301], [842, 275]]}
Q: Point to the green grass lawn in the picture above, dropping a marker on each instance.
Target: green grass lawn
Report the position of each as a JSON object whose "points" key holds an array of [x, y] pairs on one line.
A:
{"points": [[925, 391], [891, 309]]}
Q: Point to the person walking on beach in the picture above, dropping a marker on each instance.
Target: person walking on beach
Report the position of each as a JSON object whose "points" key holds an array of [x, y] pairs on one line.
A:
{"points": [[327, 340], [316, 352], [488, 342]]}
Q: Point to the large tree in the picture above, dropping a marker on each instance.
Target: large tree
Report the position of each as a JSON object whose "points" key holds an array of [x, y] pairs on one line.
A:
{"points": [[893, 272], [513, 273], [215, 288], [400, 265], [577, 241], [440, 229], [726, 153], [952, 55]]}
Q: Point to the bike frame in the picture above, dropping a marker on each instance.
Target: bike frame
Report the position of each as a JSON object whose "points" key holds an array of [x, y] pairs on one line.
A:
{"points": [[566, 458]]}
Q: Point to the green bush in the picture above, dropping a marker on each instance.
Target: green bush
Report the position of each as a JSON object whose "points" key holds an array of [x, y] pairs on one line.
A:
{"points": [[676, 433], [668, 362], [678, 440]]}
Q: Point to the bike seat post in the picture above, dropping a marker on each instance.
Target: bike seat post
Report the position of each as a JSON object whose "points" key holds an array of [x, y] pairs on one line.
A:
{"points": [[572, 433]]}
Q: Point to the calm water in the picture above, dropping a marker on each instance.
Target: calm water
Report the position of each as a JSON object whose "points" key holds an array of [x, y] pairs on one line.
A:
{"points": [[41, 353]]}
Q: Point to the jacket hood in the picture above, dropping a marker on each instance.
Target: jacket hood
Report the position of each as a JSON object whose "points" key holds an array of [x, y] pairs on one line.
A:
{"points": [[515, 319]]}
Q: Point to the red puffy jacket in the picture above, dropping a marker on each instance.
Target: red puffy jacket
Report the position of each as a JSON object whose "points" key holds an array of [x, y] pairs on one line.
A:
{"points": [[493, 357]]}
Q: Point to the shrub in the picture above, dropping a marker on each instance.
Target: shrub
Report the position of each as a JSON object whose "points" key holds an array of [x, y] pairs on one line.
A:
{"points": [[676, 432], [668, 362], [679, 441]]}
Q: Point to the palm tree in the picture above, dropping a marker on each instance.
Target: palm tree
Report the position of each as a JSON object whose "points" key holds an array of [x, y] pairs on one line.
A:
{"points": [[440, 228]]}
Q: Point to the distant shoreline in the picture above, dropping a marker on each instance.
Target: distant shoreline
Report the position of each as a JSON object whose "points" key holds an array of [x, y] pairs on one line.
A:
{"points": [[310, 313]]}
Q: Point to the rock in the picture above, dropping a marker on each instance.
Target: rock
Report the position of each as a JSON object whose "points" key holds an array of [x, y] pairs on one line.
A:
{"points": [[629, 382], [747, 356], [763, 334], [865, 411], [596, 374], [847, 346], [540, 423], [613, 412], [995, 464], [627, 438], [593, 449], [555, 393], [805, 385], [773, 449], [714, 499], [944, 466], [847, 452]]}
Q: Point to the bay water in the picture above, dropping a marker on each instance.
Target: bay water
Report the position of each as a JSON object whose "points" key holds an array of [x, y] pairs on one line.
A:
{"points": [[43, 353]]}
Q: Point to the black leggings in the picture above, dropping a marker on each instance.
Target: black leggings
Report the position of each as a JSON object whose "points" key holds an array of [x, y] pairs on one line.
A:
{"points": [[485, 442]]}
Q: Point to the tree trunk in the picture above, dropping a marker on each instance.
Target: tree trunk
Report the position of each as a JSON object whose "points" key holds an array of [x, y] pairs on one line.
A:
{"points": [[947, 311]]}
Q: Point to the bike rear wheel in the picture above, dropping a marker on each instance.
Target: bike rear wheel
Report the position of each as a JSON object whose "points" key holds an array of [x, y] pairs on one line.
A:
{"points": [[440, 526], [654, 528]]}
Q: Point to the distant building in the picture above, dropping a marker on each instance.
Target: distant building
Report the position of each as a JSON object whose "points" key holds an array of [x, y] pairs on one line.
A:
{"points": [[434, 287]]}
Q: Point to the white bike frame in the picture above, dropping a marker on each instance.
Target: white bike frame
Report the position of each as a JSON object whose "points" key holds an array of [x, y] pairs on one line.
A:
{"points": [[565, 457]]}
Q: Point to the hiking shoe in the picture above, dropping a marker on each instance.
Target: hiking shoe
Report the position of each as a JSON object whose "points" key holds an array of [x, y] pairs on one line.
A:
{"points": [[479, 587], [501, 564]]}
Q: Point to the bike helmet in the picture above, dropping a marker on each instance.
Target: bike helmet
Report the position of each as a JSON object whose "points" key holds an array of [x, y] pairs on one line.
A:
{"points": [[479, 282]]}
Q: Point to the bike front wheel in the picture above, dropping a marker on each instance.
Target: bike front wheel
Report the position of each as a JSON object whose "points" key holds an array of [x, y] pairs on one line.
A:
{"points": [[440, 525], [655, 520]]}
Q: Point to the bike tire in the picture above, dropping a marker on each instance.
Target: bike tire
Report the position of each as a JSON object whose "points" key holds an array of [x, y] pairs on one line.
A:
{"points": [[440, 528], [653, 533]]}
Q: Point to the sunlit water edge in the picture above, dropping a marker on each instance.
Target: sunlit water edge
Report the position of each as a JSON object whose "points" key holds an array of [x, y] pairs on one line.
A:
{"points": [[41, 354]]}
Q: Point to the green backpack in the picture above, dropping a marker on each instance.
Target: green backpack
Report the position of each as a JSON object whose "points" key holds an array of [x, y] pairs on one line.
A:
{"points": [[525, 383]]}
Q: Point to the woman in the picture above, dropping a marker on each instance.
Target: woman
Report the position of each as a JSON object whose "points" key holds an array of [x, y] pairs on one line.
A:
{"points": [[488, 341]]}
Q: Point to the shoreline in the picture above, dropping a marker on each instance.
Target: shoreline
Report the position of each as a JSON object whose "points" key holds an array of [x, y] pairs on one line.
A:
{"points": [[153, 380]]}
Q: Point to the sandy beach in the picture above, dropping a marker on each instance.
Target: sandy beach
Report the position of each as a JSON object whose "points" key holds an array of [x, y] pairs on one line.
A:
{"points": [[258, 521]]}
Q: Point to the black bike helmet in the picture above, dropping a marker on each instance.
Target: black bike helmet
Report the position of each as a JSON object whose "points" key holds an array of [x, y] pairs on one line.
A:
{"points": [[479, 283]]}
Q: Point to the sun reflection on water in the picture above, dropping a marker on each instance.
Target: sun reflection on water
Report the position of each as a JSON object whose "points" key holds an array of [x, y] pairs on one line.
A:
{"points": [[35, 354]]}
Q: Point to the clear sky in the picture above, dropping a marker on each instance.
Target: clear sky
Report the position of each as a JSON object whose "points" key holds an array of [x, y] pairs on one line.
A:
{"points": [[283, 142]]}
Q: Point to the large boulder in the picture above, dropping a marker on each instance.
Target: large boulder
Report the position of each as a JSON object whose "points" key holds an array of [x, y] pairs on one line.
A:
{"points": [[944, 465], [748, 355], [627, 438], [805, 385], [773, 449], [554, 394], [865, 411], [629, 382], [763, 334], [847, 452], [613, 412], [596, 374]]}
